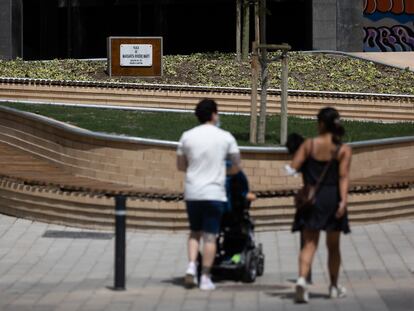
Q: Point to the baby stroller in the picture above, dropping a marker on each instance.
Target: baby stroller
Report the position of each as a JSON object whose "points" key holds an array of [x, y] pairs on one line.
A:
{"points": [[237, 251]]}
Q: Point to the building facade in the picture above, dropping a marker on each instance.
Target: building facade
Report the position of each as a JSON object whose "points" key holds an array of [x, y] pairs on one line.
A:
{"points": [[47, 29]]}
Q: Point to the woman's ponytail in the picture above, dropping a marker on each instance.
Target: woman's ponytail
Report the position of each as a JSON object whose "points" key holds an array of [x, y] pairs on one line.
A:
{"points": [[331, 121]]}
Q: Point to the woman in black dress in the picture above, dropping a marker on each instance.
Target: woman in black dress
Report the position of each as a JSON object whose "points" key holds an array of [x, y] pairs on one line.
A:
{"points": [[329, 212]]}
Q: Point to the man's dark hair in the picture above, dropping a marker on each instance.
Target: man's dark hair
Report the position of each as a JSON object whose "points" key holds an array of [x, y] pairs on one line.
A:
{"points": [[293, 143], [205, 109]]}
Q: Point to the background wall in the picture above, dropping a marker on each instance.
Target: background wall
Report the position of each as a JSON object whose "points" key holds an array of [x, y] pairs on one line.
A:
{"points": [[47, 29], [11, 29], [336, 25], [388, 25], [79, 28]]}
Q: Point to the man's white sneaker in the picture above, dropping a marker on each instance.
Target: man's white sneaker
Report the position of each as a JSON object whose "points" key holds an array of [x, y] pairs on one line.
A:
{"points": [[206, 283], [301, 291], [337, 291], [190, 279]]}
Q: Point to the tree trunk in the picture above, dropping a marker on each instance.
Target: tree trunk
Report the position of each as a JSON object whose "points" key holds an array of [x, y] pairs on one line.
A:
{"points": [[263, 101], [257, 21], [246, 30], [264, 81], [283, 100], [262, 21], [255, 64], [238, 28], [253, 107]]}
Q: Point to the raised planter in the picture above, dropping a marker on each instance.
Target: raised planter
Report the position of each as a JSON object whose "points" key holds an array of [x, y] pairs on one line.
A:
{"points": [[150, 164]]}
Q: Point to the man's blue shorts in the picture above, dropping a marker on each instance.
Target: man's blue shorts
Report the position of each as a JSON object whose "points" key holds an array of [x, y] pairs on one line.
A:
{"points": [[205, 216]]}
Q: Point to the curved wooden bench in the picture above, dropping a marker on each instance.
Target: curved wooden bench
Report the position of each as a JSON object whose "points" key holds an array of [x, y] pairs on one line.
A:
{"points": [[35, 148]]}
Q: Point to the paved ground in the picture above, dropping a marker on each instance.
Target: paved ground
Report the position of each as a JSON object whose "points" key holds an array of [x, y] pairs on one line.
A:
{"points": [[398, 59], [44, 273]]}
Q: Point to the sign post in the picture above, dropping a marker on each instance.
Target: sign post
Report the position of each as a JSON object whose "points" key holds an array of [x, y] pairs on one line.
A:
{"points": [[135, 56]]}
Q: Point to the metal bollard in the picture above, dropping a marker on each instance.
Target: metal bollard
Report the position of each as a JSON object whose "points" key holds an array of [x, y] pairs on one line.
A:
{"points": [[120, 221]]}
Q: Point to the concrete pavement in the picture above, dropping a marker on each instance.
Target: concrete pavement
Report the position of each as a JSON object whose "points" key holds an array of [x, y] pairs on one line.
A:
{"points": [[396, 59], [48, 267]]}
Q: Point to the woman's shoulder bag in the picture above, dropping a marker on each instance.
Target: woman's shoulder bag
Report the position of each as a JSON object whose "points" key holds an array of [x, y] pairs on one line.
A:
{"points": [[306, 196]]}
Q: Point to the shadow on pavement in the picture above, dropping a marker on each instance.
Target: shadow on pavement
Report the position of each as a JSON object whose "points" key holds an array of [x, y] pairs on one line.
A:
{"points": [[177, 281], [291, 295], [223, 285], [253, 287]]}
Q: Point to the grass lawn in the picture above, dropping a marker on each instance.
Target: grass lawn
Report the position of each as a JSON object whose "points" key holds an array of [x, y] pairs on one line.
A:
{"points": [[169, 126]]}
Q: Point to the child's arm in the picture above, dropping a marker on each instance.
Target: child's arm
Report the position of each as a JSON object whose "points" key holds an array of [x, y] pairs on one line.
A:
{"points": [[251, 196], [248, 195]]}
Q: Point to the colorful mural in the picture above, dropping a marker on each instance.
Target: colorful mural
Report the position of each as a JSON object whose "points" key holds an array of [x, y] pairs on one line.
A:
{"points": [[388, 25], [391, 6]]}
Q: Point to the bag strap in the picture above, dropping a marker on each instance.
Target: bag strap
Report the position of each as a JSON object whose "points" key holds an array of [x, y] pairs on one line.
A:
{"points": [[311, 149], [325, 169]]}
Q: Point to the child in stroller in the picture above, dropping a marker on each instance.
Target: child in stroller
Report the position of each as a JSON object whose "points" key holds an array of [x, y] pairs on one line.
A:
{"points": [[237, 251]]}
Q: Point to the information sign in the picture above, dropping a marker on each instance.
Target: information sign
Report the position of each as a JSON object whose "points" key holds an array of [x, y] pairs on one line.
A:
{"points": [[136, 55]]}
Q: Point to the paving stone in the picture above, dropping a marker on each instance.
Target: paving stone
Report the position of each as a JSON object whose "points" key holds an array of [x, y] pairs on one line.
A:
{"points": [[40, 273]]}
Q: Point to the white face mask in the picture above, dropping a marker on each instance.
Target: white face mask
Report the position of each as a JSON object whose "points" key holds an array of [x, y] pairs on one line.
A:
{"points": [[218, 123]]}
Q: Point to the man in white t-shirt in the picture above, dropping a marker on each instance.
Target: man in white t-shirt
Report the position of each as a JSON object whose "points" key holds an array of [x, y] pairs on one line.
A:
{"points": [[202, 152]]}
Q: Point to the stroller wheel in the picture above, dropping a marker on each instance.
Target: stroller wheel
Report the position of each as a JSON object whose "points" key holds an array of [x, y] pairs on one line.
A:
{"points": [[249, 271], [260, 260]]}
